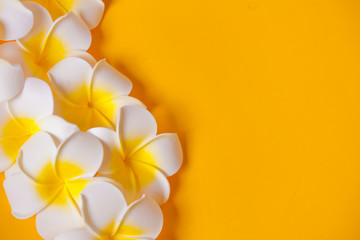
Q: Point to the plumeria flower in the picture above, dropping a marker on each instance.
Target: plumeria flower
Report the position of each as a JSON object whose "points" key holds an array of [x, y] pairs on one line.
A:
{"points": [[15, 20], [48, 42], [90, 96], [11, 80], [51, 180], [108, 217], [91, 11], [29, 112], [138, 158]]}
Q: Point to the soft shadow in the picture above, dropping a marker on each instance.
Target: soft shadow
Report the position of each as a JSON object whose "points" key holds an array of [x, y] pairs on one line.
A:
{"points": [[167, 122], [97, 36]]}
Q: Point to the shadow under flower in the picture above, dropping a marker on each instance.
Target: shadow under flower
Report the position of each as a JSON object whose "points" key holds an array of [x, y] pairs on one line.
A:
{"points": [[167, 122]]}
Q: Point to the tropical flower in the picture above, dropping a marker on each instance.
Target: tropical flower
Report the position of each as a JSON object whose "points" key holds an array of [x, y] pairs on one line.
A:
{"points": [[51, 179], [91, 11], [11, 80], [138, 158], [108, 217], [103, 184], [48, 42], [90, 97], [29, 112], [15, 20]]}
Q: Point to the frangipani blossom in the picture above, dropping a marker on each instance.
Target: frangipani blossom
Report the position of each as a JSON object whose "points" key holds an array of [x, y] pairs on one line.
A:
{"points": [[11, 80], [90, 97], [48, 42], [29, 112], [138, 158], [15, 20], [51, 180], [108, 217]]}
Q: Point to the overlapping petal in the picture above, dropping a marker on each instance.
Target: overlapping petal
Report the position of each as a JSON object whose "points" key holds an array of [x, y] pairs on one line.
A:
{"points": [[15, 54], [143, 219], [163, 151], [57, 127], [107, 216], [91, 11], [90, 96], [36, 159], [34, 102], [135, 126], [15, 20], [11, 80], [103, 207], [79, 156], [58, 218], [23, 196], [76, 234], [33, 41], [151, 180], [136, 157], [66, 34]]}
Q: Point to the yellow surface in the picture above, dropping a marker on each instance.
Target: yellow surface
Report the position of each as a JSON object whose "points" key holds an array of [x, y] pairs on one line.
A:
{"points": [[265, 96]]}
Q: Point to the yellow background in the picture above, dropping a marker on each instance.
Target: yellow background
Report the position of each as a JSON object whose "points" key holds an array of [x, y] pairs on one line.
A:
{"points": [[265, 96]]}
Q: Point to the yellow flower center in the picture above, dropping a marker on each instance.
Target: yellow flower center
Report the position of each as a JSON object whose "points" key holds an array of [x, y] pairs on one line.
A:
{"points": [[60, 185], [15, 133]]}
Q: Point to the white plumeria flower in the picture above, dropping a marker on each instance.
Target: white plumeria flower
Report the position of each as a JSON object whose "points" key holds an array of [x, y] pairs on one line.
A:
{"points": [[15, 20], [90, 97], [108, 217], [51, 179], [48, 42], [138, 158], [11, 80], [91, 11], [29, 112]]}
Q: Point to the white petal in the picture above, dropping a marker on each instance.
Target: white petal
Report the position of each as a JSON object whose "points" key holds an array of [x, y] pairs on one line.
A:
{"points": [[34, 102], [6, 161], [164, 152], [151, 181], [57, 127], [5, 117], [76, 234], [56, 219], [135, 126], [36, 156], [71, 79], [15, 20], [23, 196], [91, 11], [14, 169], [81, 54], [14, 54], [82, 150], [143, 219], [11, 80], [42, 22], [72, 31], [103, 207], [111, 144], [108, 79]]}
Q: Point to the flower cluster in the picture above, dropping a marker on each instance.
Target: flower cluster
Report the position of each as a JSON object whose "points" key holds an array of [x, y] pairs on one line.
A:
{"points": [[78, 152]]}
